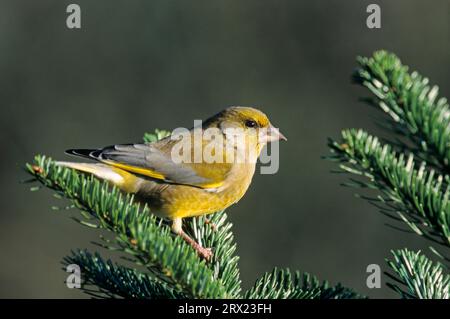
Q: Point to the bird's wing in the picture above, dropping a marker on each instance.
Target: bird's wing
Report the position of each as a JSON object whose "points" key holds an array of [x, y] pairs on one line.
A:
{"points": [[154, 160]]}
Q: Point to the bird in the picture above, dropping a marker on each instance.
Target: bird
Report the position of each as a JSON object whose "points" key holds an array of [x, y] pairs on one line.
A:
{"points": [[174, 175]]}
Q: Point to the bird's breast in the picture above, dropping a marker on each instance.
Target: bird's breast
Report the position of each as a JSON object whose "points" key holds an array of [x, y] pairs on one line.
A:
{"points": [[174, 200]]}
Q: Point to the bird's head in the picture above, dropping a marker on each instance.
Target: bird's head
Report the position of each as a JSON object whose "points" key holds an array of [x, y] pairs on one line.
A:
{"points": [[251, 121]]}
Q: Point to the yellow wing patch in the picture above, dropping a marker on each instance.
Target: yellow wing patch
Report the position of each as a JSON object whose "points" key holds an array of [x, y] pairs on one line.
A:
{"points": [[212, 185], [153, 174], [137, 170]]}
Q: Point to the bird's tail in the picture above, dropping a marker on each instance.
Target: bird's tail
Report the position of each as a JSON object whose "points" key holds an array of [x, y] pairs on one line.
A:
{"points": [[116, 176]]}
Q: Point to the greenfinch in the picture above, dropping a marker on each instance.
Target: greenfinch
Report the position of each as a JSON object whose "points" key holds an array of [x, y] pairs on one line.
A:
{"points": [[189, 174]]}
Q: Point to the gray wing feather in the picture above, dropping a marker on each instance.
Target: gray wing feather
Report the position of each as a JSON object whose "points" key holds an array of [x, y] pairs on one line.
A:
{"points": [[147, 156]]}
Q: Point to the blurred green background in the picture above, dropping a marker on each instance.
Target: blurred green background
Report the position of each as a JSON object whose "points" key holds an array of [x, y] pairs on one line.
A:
{"points": [[139, 65]]}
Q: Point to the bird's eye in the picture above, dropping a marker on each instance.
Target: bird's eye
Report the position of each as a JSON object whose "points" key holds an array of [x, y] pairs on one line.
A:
{"points": [[250, 123]]}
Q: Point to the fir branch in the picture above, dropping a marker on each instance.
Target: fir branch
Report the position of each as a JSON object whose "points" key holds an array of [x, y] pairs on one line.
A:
{"points": [[175, 271], [283, 284], [418, 196], [218, 234], [412, 103], [422, 278], [137, 232], [108, 279]]}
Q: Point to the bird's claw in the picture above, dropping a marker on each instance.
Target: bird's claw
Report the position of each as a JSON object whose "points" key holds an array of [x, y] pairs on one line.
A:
{"points": [[205, 253]]}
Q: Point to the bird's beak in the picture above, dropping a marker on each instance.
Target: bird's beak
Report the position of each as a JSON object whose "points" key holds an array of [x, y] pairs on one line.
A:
{"points": [[272, 134]]}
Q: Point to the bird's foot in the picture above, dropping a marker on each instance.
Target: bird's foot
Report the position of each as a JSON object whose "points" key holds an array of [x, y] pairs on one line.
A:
{"points": [[205, 253]]}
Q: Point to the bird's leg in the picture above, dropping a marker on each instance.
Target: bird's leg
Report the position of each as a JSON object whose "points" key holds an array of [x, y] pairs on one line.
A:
{"points": [[205, 253], [210, 223]]}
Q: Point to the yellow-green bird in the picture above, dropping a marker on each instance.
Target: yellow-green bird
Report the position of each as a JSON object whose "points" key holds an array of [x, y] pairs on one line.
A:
{"points": [[177, 189]]}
